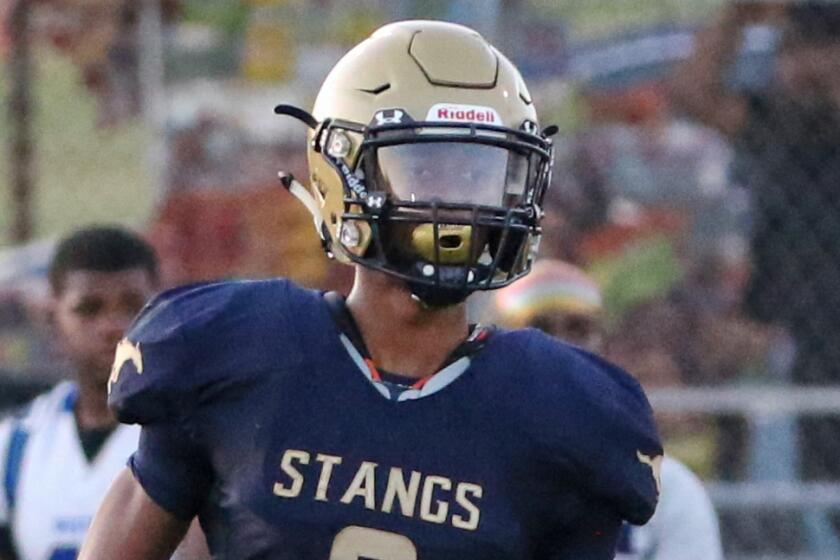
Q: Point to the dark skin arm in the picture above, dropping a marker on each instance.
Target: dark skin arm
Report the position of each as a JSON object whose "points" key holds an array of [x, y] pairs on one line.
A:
{"points": [[697, 87], [131, 526], [194, 545]]}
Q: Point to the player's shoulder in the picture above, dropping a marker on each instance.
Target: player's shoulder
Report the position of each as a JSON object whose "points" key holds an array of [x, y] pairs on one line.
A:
{"points": [[200, 334], [589, 416], [555, 369], [565, 385], [211, 316], [194, 308]]}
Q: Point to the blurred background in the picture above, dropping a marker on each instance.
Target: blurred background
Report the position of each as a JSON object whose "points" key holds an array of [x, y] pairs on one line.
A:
{"points": [[713, 233]]}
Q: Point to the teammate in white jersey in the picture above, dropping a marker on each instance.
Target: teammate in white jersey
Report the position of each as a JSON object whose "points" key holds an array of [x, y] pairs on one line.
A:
{"points": [[59, 455], [565, 302], [684, 527]]}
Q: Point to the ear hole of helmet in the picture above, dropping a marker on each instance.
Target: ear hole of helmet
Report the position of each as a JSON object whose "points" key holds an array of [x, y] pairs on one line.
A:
{"points": [[507, 251]]}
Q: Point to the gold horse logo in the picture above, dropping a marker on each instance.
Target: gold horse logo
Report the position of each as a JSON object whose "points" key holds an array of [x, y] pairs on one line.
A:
{"points": [[655, 464], [127, 351]]}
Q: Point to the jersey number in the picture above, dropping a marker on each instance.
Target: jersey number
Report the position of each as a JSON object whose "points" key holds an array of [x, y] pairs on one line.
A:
{"points": [[357, 543]]}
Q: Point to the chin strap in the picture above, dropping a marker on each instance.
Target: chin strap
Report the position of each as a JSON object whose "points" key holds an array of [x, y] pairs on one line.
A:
{"points": [[436, 297], [433, 295], [301, 193]]}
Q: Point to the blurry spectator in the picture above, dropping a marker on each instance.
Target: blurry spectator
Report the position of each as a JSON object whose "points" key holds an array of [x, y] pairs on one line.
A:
{"points": [[563, 301], [787, 142], [556, 298], [59, 455], [693, 335], [576, 204], [16, 332], [102, 38], [25, 352]]}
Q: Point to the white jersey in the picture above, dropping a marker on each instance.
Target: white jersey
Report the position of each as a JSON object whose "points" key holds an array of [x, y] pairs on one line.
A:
{"points": [[50, 491], [684, 527]]}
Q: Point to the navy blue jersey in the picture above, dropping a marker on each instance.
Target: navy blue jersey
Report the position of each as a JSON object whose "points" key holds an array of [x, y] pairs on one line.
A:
{"points": [[259, 417]]}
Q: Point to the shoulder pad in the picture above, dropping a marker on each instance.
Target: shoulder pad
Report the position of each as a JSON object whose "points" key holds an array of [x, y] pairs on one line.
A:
{"points": [[594, 417], [193, 336]]}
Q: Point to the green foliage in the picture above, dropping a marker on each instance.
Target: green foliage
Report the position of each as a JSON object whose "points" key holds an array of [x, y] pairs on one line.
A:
{"points": [[598, 18], [639, 273], [225, 15], [82, 173]]}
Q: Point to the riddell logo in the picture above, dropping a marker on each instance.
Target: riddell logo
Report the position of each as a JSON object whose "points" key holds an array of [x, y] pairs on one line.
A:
{"points": [[450, 112]]}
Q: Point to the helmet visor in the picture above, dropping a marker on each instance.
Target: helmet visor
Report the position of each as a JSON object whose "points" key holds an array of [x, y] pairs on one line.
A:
{"points": [[453, 172]]}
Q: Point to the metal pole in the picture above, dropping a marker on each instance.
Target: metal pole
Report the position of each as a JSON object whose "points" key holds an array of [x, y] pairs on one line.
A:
{"points": [[21, 73], [152, 83]]}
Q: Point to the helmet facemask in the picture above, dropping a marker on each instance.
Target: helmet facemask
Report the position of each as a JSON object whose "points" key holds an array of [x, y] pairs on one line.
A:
{"points": [[450, 207]]}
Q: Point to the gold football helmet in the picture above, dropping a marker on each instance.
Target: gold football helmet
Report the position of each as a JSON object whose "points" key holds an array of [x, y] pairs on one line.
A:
{"points": [[426, 161]]}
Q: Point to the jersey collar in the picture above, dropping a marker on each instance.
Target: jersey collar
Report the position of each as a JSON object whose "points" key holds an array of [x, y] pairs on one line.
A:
{"points": [[453, 367]]}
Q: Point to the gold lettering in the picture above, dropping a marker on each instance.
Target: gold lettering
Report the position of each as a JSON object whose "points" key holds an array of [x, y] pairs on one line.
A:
{"points": [[426, 513], [655, 464], [471, 523], [441, 498], [297, 479], [327, 464], [406, 495], [354, 542], [363, 485], [126, 351]]}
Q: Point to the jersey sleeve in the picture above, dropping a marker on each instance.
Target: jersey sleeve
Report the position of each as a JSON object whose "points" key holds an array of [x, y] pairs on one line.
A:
{"points": [[172, 468], [594, 535], [627, 455], [152, 375], [685, 524], [155, 383], [595, 423], [186, 348]]}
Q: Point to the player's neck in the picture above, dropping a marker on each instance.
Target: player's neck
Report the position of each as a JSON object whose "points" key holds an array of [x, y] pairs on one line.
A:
{"points": [[91, 408], [402, 335]]}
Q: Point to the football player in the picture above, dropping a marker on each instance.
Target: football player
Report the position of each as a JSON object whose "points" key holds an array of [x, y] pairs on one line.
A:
{"points": [[300, 425], [60, 454], [563, 301]]}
